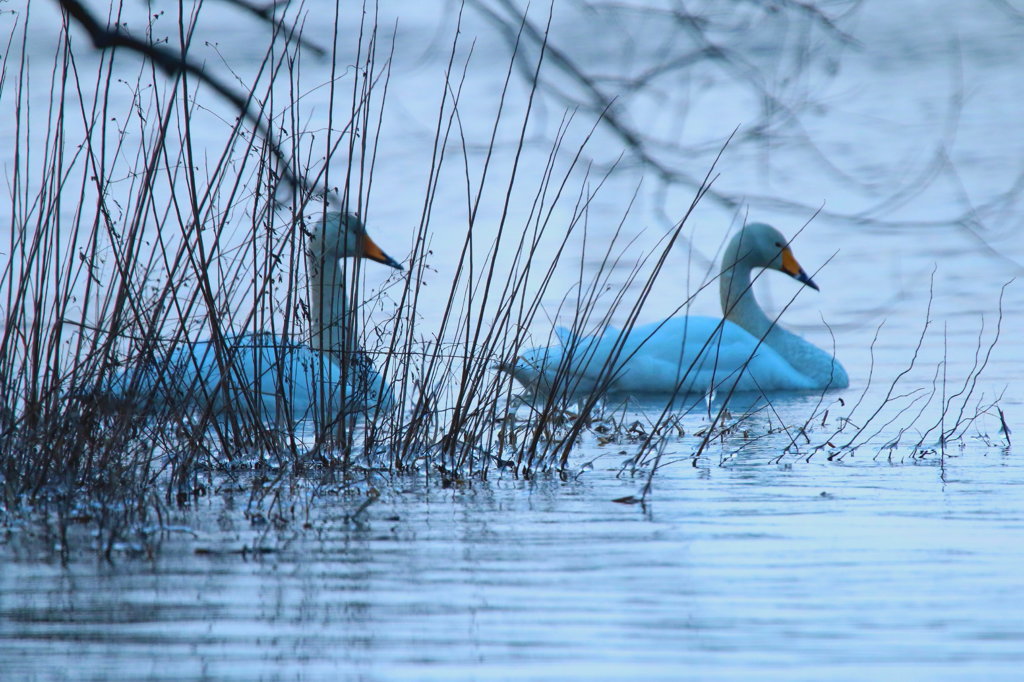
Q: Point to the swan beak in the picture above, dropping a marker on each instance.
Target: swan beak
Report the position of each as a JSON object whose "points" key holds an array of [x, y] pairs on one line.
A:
{"points": [[793, 269], [375, 253]]}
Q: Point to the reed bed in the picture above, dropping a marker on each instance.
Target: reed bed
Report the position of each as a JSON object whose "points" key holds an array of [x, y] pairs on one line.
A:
{"points": [[127, 239]]}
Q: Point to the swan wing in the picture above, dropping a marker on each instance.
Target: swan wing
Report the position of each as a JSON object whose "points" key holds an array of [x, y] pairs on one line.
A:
{"points": [[260, 374], [685, 354]]}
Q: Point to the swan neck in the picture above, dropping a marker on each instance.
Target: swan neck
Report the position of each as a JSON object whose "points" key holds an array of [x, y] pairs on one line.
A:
{"points": [[741, 308], [737, 296], [331, 321]]}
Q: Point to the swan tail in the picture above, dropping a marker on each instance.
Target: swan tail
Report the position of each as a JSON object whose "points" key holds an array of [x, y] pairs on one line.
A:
{"points": [[140, 388]]}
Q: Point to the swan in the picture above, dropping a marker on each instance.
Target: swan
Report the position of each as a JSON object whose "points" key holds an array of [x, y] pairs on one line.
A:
{"points": [[746, 351], [276, 378]]}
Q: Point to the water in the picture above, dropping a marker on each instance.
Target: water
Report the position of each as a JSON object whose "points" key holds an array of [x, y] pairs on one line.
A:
{"points": [[845, 571], [882, 564]]}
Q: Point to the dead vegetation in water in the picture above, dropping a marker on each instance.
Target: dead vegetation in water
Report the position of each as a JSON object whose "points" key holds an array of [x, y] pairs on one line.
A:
{"points": [[151, 256]]}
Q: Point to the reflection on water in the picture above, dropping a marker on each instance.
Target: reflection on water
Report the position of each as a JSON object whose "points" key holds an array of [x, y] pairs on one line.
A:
{"points": [[797, 570]]}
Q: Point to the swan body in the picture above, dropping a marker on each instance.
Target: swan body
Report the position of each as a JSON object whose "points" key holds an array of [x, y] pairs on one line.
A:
{"points": [[259, 374], [745, 351], [275, 378]]}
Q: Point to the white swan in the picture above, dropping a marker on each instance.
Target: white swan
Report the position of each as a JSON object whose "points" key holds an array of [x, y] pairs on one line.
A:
{"points": [[277, 379], [747, 351]]}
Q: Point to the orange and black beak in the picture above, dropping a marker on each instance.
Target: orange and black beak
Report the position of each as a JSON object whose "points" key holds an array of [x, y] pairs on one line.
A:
{"points": [[793, 269], [375, 253]]}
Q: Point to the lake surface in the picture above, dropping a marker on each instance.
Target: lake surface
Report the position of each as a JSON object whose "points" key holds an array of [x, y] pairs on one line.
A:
{"points": [[883, 563], [847, 571]]}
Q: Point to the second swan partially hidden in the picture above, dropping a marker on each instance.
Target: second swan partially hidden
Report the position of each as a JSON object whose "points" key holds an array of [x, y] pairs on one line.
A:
{"points": [[262, 374], [747, 351]]}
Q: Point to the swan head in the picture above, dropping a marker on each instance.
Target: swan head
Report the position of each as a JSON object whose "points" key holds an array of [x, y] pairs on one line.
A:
{"points": [[762, 246], [342, 235]]}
